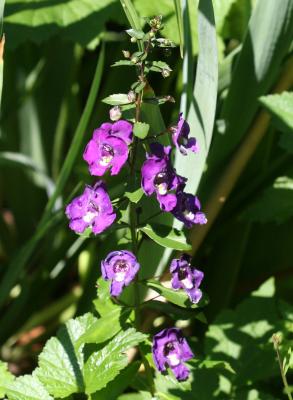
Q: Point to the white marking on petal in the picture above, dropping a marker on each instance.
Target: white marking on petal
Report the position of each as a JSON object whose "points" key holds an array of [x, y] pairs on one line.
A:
{"points": [[120, 276], [89, 216], [187, 283], [173, 359]]}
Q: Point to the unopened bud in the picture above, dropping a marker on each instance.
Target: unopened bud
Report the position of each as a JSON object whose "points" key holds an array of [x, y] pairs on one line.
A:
{"points": [[126, 53], [131, 96], [152, 34], [115, 113], [134, 60], [133, 40], [165, 73]]}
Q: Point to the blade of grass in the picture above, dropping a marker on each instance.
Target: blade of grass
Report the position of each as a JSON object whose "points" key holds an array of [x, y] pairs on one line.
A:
{"points": [[133, 18], [177, 4]]}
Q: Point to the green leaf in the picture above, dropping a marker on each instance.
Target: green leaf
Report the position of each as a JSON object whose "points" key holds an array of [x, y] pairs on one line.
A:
{"points": [[141, 129], [99, 331], [104, 365], [116, 99], [167, 237], [123, 62], [158, 66], [177, 4], [203, 100], [132, 17], [5, 378], [119, 384], [135, 33], [27, 387], [61, 361], [135, 196], [281, 107], [178, 297], [275, 203], [81, 21], [266, 44]]}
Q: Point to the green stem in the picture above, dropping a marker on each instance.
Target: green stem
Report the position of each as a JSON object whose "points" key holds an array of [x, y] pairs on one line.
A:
{"points": [[276, 342]]}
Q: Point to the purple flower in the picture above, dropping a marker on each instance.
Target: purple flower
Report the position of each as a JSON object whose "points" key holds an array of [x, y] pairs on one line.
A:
{"points": [[170, 349], [188, 211], [158, 176], [108, 148], [186, 277], [92, 209], [180, 137], [120, 267]]}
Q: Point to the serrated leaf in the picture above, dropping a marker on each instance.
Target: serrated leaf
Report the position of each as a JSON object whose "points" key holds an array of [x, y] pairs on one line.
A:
{"points": [[141, 129], [135, 33], [61, 361], [122, 63], [119, 384], [135, 196], [281, 107], [99, 331], [116, 99], [158, 66], [6, 378], [178, 297], [104, 365], [166, 236], [27, 387]]}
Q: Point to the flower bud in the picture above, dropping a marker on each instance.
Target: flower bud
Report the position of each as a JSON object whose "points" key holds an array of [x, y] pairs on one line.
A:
{"points": [[134, 60], [126, 53], [115, 113], [133, 40], [131, 96], [165, 73], [152, 34]]}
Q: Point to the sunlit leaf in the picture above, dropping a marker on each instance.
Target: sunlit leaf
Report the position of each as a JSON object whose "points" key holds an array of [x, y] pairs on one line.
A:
{"points": [[166, 236]]}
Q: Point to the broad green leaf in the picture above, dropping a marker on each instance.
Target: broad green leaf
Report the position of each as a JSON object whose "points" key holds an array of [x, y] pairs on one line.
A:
{"points": [[281, 107], [275, 203], [104, 365], [81, 21], [166, 236], [99, 331], [141, 129], [242, 336], [135, 196], [116, 99], [178, 297], [119, 384], [103, 304], [5, 378], [27, 387], [61, 361], [263, 50], [142, 395]]}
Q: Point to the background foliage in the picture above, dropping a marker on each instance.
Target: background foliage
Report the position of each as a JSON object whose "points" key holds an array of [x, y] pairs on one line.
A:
{"points": [[56, 72]]}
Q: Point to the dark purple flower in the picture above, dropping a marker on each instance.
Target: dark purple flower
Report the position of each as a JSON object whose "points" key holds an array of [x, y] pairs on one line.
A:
{"points": [[158, 176], [186, 277], [188, 211], [120, 267], [180, 137], [170, 349], [92, 209], [108, 148]]}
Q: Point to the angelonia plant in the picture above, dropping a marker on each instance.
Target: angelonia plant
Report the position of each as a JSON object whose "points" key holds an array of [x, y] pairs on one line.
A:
{"points": [[127, 142], [113, 146]]}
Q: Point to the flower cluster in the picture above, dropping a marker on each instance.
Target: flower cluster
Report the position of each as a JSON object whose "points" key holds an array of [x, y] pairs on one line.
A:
{"points": [[108, 151]]}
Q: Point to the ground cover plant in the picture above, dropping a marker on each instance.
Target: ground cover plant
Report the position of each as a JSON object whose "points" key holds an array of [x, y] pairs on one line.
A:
{"points": [[146, 199]]}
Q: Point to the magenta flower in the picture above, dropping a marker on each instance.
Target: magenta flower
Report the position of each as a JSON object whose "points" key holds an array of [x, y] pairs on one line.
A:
{"points": [[108, 148], [186, 277], [120, 267], [180, 137], [158, 176], [170, 349], [188, 209], [92, 209]]}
